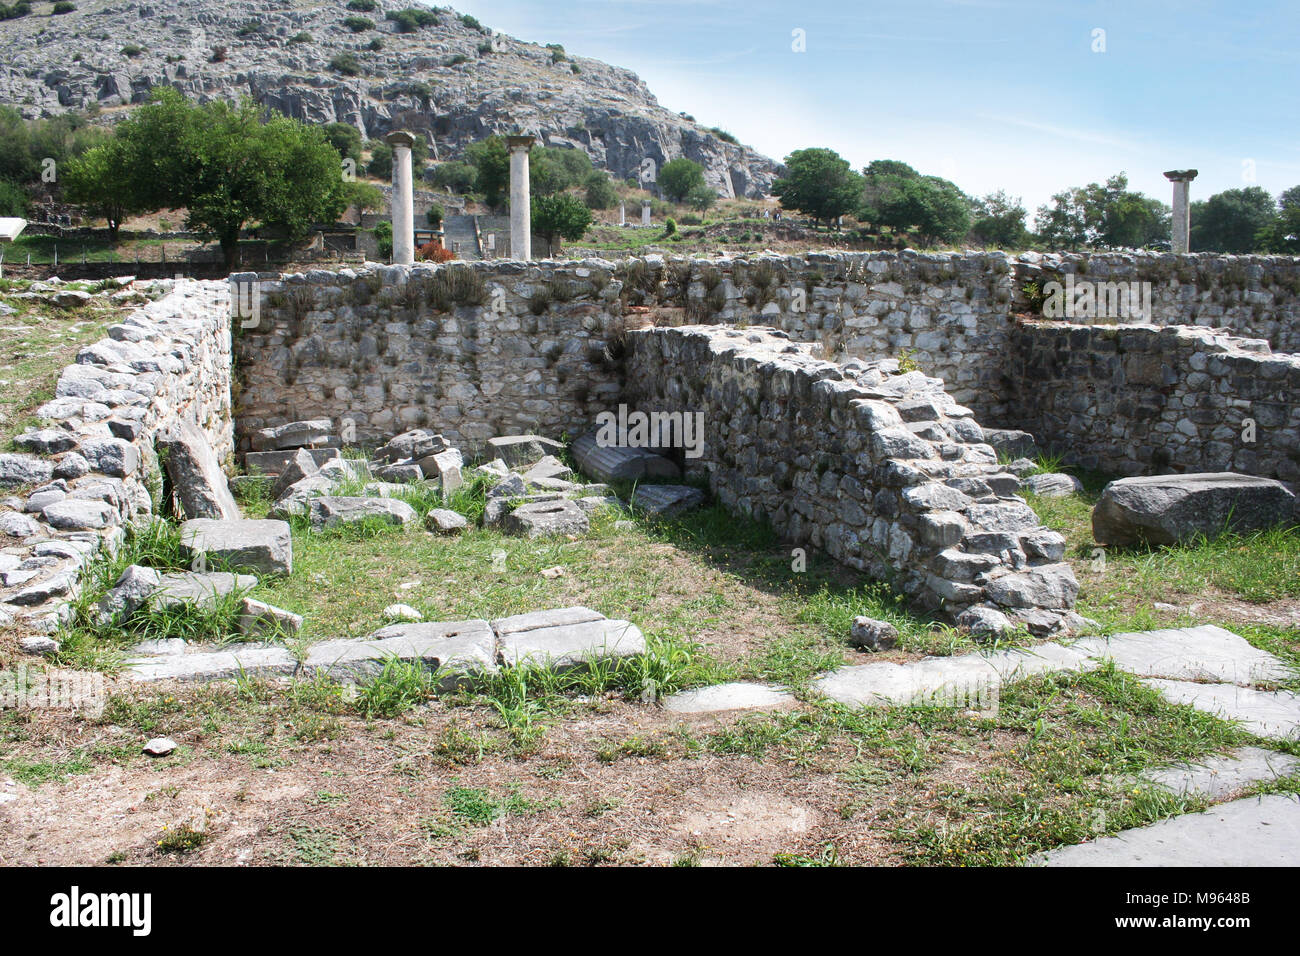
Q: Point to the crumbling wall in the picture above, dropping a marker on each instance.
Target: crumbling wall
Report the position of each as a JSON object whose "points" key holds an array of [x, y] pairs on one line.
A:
{"points": [[90, 467], [881, 469], [1136, 400]]}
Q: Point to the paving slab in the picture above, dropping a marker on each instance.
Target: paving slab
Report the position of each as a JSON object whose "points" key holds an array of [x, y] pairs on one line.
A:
{"points": [[571, 645], [667, 501], [214, 665], [953, 681], [458, 647], [533, 620], [263, 545], [724, 697], [1255, 831], [1195, 654], [1265, 713], [1220, 776], [201, 588]]}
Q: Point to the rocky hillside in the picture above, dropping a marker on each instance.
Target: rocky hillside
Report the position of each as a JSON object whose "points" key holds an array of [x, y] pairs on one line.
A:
{"points": [[453, 79]]}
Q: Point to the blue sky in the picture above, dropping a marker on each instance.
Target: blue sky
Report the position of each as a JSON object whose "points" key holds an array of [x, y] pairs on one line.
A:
{"points": [[990, 93]]}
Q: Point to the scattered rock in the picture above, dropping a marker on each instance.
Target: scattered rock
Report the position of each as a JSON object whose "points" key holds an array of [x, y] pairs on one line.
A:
{"points": [[445, 521], [1010, 443], [544, 518], [869, 634], [259, 619], [195, 587], [262, 546], [1166, 509], [548, 468], [160, 746], [38, 646], [667, 501], [517, 450], [329, 511], [130, 593], [401, 612], [272, 463], [1053, 485], [555, 572], [301, 465], [293, 435], [415, 444]]}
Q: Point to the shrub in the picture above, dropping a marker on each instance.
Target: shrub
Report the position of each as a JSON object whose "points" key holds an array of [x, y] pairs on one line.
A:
{"points": [[384, 237], [457, 176], [218, 55], [723, 135], [434, 252], [13, 199], [457, 60], [249, 29], [471, 22], [600, 191], [362, 6], [132, 50], [358, 24], [434, 216], [345, 63], [62, 7], [375, 45], [412, 19], [303, 37], [20, 9]]}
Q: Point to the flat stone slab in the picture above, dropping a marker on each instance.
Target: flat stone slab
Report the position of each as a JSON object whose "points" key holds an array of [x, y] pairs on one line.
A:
{"points": [[571, 645], [196, 474], [534, 620], [516, 450], [272, 463], [967, 681], [458, 647], [293, 435], [1265, 713], [1194, 654], [1255, 831], [724, 697], [1165, 509], [538, 519], [214, 665], [667, 501], [328, 511], [620, 463], [263, 545], [202, 588], [1221, 776]]}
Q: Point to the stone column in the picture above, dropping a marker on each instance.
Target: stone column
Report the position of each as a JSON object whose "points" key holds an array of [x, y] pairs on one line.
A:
{"points": [[1181, 178], [645, 212], [622, 214], [403, 198], [521, 213]]}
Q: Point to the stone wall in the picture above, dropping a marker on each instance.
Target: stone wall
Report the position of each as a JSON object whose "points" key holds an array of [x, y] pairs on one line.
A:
{"points": [[91, 466], [883, 470], [1250, 296], [1145, 400]]}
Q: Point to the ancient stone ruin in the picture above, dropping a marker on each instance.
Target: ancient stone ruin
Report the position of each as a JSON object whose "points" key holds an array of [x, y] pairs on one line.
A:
{"points": [[877, 407]]}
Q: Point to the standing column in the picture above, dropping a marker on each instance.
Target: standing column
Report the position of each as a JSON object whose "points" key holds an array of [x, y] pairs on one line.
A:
{"points": [[521, 213], [622, 214], [645, 212], [1180, 241], [403, 198]]}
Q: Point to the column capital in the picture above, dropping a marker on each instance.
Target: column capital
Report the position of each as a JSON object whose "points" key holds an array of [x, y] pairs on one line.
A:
{"points": [[1181, 175], [517, 143]]}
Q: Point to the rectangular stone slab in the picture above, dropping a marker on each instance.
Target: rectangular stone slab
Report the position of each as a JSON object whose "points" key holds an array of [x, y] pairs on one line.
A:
{"points": [[969, 682], [533, 620], [1220, 776], [273, 462], [214, 665], [456, 647], [264, 546], [1255, 831], [1265, 713], [1195, 654], [571, 645]]}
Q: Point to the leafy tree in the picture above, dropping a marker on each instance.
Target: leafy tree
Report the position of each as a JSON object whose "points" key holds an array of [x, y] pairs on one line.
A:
{"points": [[459, 177], [491, 161], [434, 216], [896, 195], [679, 176], [381, 160], [1283, 233], [13, 199], [818, 182], [560, 216], [999, 221], [1107, 215], [882, 180], [345, 138], [701, 198], [228, 167], [384, 239], [600, 191], [552, 170], [1233, 221], [365, 196], [101, 181]]}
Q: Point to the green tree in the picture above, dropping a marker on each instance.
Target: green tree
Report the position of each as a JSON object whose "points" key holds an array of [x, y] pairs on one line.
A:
{"points": [[13, 199], [1107, 215], [999, 221], [818, 182], [1283, 233], [381, 160], [552, 170], [701, 198], [491, 162], [459, 177], [345, 138], [228, 166], [1235, 221], [100, 180], [365, 196], [679, 176], [600, 191], [560, 216]]}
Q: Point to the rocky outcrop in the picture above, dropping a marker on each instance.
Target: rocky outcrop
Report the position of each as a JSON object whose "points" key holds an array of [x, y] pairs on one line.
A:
{"points": [[453, 81]]}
